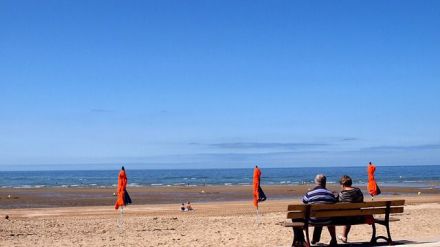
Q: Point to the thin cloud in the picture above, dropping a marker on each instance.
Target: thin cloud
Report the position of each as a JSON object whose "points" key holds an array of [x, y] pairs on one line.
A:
{"points": [[349, 139], [100, 110], [267, 145], [404, 148]]}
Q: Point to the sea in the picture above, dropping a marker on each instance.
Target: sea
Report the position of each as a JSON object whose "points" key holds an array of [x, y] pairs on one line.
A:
{"points": [[407, 176]]}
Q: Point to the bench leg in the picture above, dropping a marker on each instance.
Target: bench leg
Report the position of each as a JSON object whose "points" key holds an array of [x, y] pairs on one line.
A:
{"points": [[295, 237], [298, 237], [306, 229], [374, 238], [390, 241], [373, 235]]}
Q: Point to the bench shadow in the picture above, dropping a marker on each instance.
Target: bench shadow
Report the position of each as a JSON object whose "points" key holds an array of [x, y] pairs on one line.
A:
{"points": [[395, 243]]}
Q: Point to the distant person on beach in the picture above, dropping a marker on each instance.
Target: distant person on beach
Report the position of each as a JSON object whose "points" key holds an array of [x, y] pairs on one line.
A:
{"points": [[182, 207], [349, 194], [123, 197], [317, 195], [373, 189], [188, 206]]}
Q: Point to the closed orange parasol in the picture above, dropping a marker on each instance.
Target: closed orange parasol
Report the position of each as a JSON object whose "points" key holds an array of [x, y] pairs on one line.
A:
{"points": [[373, 189], [122, 186], [258, 192]]}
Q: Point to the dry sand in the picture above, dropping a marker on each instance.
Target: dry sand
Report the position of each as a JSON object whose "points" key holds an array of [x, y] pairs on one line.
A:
{"points": [[210, 224]]}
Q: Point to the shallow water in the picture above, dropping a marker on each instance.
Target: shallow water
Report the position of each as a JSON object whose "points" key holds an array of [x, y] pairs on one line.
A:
{"points": [[408, 176]]}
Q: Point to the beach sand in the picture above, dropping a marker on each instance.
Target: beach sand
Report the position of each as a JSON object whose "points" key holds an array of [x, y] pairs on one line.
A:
{"points": [[212, 223]]}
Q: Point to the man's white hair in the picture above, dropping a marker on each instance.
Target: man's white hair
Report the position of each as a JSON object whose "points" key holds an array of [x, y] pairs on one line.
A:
{"points": [[320, 179]]}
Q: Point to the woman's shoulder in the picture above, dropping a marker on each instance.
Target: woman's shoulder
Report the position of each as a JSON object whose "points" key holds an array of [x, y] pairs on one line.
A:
{"points": [[354, 190], [357, 190], [351, 195]]}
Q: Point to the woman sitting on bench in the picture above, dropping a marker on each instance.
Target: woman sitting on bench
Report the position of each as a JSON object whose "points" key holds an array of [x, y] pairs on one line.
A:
{"points": [[349, 194]]}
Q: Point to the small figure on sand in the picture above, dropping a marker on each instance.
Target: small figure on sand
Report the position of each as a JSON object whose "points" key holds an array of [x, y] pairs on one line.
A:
{"points": [[373, 189], [186, 208]]}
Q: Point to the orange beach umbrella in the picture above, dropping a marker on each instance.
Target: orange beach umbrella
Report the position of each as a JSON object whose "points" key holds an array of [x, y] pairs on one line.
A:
{"points": [[258, 193], [373, 189], [122, 185], [257, 174]]}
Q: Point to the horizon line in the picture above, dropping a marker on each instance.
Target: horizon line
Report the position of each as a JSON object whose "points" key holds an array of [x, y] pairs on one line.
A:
{"points": [[211, 168]]}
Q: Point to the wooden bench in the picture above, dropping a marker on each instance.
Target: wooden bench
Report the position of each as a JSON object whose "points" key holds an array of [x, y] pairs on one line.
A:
{"points": [[303, 213]]}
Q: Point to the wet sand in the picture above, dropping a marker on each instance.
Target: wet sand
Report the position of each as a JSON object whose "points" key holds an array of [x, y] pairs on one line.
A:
{"points": [[73, 197]]}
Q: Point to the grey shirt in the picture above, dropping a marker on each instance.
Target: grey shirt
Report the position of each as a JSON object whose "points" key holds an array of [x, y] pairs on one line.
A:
{"points": [[354, 195]]}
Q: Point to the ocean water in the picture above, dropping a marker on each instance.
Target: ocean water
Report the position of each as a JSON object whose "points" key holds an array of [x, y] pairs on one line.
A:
{"points": [[419, 176]]}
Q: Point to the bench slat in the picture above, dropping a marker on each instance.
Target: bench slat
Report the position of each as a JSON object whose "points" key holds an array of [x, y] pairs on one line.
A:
{"points": [[355, 212], [295, 215], [345, 205], [343, 213], [301, 225], [295, 207], [382, 220], [293, 224]]}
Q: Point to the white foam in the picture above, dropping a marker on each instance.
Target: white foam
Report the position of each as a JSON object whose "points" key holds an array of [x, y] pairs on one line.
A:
{"points": [[134, 185]]}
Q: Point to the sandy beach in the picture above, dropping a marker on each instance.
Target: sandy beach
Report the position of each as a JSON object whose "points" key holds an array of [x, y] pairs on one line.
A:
{"points": [[230, 222]]}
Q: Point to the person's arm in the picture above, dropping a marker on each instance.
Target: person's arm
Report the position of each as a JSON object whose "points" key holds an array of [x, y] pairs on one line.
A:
{"points": [[361, 196], [336, 198], [305, 199]]}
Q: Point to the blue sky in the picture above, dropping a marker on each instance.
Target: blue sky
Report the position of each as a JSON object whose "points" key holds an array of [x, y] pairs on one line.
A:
{"points": [[179, 84]]}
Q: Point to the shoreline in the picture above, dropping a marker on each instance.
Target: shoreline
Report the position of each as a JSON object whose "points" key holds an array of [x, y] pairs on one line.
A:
{"points": [[77, 197], [412, 184]]}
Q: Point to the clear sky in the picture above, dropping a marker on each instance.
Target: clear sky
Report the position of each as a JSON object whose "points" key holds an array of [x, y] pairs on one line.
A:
{"points": [[194, 84]]}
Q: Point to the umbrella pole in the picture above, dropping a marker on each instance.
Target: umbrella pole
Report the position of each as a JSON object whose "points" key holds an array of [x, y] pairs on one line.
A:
{"points": [[121, 217], [257, 220]]}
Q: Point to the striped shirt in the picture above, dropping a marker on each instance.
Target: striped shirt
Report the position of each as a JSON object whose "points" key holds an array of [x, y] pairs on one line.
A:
{"points": [[319, 195]]}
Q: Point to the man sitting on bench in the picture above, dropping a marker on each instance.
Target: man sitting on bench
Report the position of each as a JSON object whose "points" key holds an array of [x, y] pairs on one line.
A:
{"points": [[318, 195]]}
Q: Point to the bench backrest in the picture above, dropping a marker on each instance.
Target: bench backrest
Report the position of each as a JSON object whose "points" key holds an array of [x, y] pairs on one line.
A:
{"points": [[342, 209]]}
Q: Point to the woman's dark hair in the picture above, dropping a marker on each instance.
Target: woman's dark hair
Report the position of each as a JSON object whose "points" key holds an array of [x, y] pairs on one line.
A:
{"points": [[123, 168], [346, 181]]}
